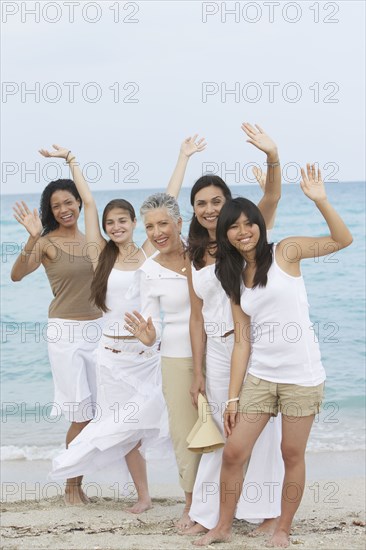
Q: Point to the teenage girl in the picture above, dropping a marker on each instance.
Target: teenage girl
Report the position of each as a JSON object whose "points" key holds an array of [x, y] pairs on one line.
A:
{"points": [[267, 293]]}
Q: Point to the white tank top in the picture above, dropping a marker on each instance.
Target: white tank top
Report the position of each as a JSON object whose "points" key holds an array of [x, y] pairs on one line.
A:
{"points": [[284, 345], [216, 309], [119, 302]]}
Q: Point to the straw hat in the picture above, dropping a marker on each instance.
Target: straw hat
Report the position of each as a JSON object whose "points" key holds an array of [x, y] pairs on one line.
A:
{"points": [[205, 437]]}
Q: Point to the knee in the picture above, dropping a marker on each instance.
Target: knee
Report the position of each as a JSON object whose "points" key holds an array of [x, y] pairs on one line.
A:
{"points": [[291, 454], [234, 455]]}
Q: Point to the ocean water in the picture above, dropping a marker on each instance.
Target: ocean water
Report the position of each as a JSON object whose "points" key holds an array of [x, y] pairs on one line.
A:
{"points": [[335, 285]]}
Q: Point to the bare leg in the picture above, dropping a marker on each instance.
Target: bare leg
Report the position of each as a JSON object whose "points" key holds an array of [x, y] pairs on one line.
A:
{"points": [[74, 494], [295, 434], [236, 453], [137, 467]]}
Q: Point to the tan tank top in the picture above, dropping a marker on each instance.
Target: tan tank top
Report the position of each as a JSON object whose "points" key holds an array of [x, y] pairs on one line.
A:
{"points": [[70, 278]]}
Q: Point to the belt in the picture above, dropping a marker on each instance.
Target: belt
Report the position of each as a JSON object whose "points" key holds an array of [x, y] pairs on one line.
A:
{"points": [[120, 351], [229, 333]]}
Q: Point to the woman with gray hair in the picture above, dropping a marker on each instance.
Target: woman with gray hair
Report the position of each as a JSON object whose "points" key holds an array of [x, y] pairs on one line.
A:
{"points": [[165, 311]]}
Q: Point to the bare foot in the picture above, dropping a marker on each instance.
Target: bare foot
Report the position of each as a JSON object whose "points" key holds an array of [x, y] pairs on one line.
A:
{"points": [[279, 539], [266, 528], [215, 535], [140, 506], [185, 521], [196, 529], [72, 496]]}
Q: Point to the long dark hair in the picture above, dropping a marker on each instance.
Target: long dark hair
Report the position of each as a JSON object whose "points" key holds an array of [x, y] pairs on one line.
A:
{"points": [[229, 262], [108, 257], [45, 212], [198, 237]]}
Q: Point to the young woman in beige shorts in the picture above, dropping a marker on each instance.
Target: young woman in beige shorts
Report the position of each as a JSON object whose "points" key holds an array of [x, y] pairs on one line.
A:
{"points": [[274, 342]]}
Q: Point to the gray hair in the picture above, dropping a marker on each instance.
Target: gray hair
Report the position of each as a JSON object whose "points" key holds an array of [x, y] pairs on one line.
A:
{"points": [[161, 200]]}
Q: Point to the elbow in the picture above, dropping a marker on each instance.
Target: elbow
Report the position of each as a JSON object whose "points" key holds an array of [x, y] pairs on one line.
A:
{"points": [[276, 197], [346, 242], [349, 241], [15, 278]]}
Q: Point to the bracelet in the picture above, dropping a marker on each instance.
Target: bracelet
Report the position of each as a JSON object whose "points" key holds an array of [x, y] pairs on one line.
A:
{"points": [[67, 156], [233, 400], [273, 164], [25, 253]]}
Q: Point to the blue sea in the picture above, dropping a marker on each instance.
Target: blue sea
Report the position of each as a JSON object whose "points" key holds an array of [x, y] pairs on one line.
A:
{"points": [[335, 285]]}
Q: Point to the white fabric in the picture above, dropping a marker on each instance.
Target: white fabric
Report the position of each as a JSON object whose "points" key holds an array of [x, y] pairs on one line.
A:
{"points": [[118, 302], [284, 347], [131, 408], [71, 345], [261, 495], [165, 298], [216, 308]]}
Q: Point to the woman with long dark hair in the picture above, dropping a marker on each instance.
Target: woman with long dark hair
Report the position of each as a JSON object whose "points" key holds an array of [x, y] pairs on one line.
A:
{"points": [[56, 242], [269, 374], [212, 337]]}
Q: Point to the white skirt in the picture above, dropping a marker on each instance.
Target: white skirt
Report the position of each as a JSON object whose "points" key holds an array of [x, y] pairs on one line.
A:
{"points": [[130, 410], [71, 347], [261, 494]]}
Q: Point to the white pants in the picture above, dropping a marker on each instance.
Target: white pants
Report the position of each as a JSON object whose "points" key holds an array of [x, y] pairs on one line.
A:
{"points": [[71, 347]]}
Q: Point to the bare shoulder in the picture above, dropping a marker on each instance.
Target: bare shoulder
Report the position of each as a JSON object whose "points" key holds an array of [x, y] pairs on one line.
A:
{"points": [[288, 256]]}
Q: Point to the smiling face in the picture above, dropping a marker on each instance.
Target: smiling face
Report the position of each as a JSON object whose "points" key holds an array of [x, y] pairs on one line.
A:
{"points": [[65, 208], [162, 231], [243, 235], [119, 226], [207, 205]]}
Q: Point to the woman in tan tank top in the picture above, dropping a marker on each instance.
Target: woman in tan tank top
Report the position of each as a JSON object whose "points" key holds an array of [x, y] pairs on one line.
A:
{"points": [[56, 242]]}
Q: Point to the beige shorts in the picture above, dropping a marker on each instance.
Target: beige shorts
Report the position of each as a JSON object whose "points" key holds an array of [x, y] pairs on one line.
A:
{"points": [[261, 396]]}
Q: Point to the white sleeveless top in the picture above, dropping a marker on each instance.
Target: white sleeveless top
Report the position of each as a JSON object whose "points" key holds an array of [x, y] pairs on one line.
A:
{"points": [[216, 309], [119, 300], [284, 346]]}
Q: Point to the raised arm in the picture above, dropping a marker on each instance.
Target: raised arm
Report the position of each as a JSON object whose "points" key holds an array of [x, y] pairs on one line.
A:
{"points": [[239, 361], [189, 146], [31, 256], [261, 177], [294, 249], [198, 343], [92, 228], [272, 189]]}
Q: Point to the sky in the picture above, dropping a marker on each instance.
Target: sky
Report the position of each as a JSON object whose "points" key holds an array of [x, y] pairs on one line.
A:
{"points": [[121, 84]]}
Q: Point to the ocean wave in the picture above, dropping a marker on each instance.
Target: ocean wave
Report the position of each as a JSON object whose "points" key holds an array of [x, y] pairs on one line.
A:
{"points": [[29, 452], [33, 452]]}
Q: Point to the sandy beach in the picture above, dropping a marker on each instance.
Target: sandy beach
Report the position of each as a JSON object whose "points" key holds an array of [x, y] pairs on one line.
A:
{"points": [[332, 513]]}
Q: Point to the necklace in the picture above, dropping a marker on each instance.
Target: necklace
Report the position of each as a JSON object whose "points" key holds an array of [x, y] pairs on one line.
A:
{"points": [[173, 266]]}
